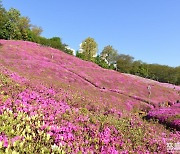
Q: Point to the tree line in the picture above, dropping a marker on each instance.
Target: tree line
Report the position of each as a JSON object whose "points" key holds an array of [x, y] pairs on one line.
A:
{"points": [[109, 58], [14, 26]]}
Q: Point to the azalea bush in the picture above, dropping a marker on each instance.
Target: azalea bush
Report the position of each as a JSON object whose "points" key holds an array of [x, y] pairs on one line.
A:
{"points": [[21, 133], [169, 116]]}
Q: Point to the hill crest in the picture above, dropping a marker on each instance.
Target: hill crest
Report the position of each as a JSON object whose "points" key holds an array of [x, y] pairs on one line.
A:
{"points": [[55, 68]]}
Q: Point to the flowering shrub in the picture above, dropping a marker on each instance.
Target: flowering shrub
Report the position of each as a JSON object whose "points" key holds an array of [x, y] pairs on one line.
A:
{"points": [[167, 115], [21, 133]]}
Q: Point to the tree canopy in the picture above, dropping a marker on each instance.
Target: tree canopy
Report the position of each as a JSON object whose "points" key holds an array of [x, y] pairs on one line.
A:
{"points": [[124, 63], [89, 48], [109, 54], [14, 26]]}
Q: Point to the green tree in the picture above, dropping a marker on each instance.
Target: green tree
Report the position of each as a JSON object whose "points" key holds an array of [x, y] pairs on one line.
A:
{"points": [[56, 42], [3, 20], [89, 48], [177, 70], [135, 67], [67, 49], [36, 30], [109, 54], [80, 55], [139, 68], [143, 70], [15, 26], [101, 62], [163, 73], [24, 26], [10, 29], [124, 63], [33, 37]]}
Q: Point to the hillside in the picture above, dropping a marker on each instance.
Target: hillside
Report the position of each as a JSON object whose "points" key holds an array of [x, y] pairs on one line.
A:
{"points": [[82, 106]]}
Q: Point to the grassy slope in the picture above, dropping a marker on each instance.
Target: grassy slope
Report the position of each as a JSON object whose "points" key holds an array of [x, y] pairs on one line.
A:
{"points": [[102, 96], [56, 68]]}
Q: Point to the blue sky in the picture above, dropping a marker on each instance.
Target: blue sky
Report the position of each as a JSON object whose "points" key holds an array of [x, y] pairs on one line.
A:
{"points": [[146, 30]]}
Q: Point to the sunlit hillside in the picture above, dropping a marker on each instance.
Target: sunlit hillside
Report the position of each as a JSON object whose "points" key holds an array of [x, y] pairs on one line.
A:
{"points": [[54, 102]]}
